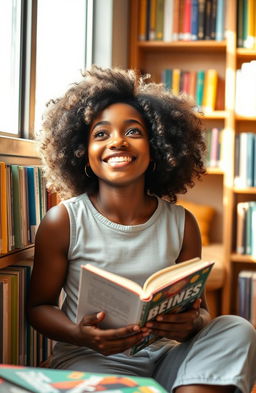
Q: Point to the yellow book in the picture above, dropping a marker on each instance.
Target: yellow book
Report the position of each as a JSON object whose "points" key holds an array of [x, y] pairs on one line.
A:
{"points": [[210, 90], [152, 29], [3, 209], [250, 39], [176, 81], [143, 20]]}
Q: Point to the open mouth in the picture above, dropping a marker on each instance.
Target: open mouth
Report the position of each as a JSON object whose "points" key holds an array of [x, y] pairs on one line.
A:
{"points": [[117, 161]]}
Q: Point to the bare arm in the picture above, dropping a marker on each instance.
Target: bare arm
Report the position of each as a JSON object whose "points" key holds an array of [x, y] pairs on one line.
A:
{"points": [[48, 277]]}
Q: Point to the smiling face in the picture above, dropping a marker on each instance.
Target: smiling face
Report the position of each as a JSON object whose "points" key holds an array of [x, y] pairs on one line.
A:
{"points": [[118, 148]]}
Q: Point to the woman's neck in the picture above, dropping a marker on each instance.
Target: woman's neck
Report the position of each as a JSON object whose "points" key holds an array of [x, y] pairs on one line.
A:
{"points": [[124, 205]]}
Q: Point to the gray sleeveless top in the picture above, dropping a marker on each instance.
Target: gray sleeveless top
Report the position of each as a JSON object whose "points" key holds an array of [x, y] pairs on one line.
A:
{"points": [[134, 251]]}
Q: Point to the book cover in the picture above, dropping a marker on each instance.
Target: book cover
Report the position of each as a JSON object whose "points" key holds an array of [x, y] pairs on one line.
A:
{"points": [[172, 289], [152, 30], [213, 20], [176, 72], [40, 380], [159, 20], [194, 20], [168, 20], [201, 16], [200, 87], [167, 78], [244, 294], [187, 20], [175, 26], [210, 90], [6, 332], [143, 20], [3, 209], [253, 299], [242, 208]]}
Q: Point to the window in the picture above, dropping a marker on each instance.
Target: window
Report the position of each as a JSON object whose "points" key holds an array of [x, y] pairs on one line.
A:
{"points": [[61, 49], [10, 65], [44, 46]]}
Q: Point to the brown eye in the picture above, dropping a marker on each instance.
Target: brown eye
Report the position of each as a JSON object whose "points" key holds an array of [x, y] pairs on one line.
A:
{"points": [[133, 131]]}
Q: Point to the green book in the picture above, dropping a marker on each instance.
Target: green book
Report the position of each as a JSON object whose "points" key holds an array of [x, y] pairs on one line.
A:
{"points": [[159, 20], [200, 87], [40, 380], [16, 199]]}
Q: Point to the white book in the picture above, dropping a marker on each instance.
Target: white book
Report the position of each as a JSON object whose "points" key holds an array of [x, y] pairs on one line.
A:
{"points": [[168, 20]]}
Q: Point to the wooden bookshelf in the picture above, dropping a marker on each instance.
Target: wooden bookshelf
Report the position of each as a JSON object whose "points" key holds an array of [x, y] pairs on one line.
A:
{"points": [[21, 152], [154, 56]]}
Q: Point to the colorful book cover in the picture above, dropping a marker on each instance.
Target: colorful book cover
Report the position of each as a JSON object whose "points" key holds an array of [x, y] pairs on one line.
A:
{"points": [[3, 209], [200, 88], [40, 380], [125, 302]]}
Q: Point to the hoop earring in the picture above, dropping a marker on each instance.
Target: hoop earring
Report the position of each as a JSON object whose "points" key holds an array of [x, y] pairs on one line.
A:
{"points": [[85, 170]]}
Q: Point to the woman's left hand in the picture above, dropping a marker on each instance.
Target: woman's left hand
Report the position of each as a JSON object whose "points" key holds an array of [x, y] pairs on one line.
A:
{"points": [[180, 326]]}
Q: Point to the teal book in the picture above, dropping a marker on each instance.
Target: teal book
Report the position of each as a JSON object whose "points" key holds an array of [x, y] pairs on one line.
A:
{"points": [[220, 20], [249, 159], [16, 204], [38, 380], [200, 87], [125, 302], [167, 78]]}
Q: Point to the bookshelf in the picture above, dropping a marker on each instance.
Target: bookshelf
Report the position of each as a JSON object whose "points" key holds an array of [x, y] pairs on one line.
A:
{"points": [[153, 57], [19, 343]]}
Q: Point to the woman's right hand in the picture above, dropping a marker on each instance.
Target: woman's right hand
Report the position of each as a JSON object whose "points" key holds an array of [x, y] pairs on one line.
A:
{"points": [[107, 341]]}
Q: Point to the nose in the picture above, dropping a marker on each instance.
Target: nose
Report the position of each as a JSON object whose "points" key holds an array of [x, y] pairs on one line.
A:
{"points": [[118, 142]]}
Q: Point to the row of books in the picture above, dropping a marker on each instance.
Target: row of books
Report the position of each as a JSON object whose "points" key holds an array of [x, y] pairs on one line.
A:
{"points": [[245, 102], [24, 200], [246, 24], [201, 85], [20, 344], [247, 295], [171, 20], [214, 144], [245, 160], [246, 228]]}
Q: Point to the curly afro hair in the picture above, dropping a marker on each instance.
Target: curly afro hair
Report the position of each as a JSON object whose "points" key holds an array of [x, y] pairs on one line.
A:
{"points": [[175, 133]]}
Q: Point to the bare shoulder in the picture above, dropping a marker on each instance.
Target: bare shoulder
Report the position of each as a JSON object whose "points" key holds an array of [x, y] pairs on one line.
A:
{"points": [[54, 228], [191, 245]]}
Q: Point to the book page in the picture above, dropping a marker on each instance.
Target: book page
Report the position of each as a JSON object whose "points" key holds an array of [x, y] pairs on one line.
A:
{"points": [[172, 274], [98, 294]]}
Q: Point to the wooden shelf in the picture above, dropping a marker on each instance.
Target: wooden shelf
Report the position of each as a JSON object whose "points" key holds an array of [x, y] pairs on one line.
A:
{"points": [[246, 53], [243, 258], [15, 256], [215, 171], [205, 46], [247, 190], [245, 118], [214, 115]]}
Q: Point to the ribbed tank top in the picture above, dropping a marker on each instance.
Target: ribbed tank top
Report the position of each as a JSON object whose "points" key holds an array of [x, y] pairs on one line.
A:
{"points": [[134, 251]]}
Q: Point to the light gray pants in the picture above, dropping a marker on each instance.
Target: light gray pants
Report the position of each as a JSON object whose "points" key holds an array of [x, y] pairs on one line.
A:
{"points": [[223, 353]]}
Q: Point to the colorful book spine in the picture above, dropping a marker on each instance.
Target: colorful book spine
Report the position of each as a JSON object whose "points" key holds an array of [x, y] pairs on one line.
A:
{"points": [[168, 20], [194, 20], [159, 20], [210, 90], [200, 87]]}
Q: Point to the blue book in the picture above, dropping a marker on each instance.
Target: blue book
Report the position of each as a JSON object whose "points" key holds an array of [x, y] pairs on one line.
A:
{"points": [[220, 20], [249, 159], [194, 20], [244, 294]]}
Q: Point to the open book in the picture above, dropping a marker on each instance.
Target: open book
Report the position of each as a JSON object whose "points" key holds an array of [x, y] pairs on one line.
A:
{"points": [[172, 289]]}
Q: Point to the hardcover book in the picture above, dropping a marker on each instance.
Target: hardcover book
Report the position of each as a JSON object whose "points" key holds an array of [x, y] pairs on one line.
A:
{"points": [[40, 380], [172, 289]]}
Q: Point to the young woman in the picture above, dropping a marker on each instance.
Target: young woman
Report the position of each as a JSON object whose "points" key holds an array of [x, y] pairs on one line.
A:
{"points": [[121, 150]]}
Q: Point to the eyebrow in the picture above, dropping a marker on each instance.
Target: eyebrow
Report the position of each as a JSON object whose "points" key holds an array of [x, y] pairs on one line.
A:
{"points": [[128, 121]]}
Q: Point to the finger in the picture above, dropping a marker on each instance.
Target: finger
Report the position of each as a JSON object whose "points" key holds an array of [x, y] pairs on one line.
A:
{"points": [[93, 319]]}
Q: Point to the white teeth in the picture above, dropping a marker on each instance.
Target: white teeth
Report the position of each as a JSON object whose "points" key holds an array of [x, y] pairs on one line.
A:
{"points": [[119, 159]]}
